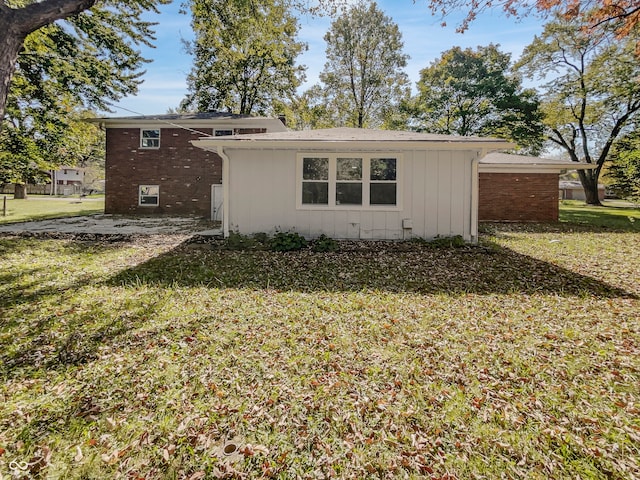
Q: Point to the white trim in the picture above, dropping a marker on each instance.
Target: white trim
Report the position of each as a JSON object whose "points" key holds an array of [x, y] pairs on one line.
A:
{"points": [[366, 182], [475, 200]]}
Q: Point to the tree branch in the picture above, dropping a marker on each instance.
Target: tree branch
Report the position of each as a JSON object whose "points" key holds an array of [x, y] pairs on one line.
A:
{"points": [[35, 15]]}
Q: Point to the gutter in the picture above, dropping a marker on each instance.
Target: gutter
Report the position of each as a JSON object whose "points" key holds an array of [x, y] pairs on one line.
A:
{"points": [[475, 198], [225, 191]]}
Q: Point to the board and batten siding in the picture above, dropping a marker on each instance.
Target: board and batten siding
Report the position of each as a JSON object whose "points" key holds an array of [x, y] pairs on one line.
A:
{"points": [[434, 196]]}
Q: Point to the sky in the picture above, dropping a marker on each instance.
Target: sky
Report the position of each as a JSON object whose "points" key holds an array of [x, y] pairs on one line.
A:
{"points": [[424, 38]]}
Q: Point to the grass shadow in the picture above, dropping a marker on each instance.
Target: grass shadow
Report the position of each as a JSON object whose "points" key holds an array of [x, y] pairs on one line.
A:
{"points": [[357, 266]]}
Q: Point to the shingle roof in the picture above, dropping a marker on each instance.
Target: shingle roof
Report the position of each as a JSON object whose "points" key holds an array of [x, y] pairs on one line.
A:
{"points": [[344, 134], [504, 159]]}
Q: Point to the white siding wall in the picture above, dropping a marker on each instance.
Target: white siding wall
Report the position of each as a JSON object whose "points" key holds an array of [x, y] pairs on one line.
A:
{"points": [[435, 191]]}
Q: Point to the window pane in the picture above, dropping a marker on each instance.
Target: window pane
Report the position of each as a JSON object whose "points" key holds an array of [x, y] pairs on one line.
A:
{"points": [[349, 169], [315, 193], [383, 169], [223, 133], [348, 194], [151, 134], [315, 169], [144, 200], [382, 194], [149, 190]]}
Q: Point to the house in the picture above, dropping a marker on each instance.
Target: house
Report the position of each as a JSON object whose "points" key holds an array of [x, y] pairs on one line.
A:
{"points": [[67, 180], [351, 183], [573, 190], [518, 188], [152, 168]]}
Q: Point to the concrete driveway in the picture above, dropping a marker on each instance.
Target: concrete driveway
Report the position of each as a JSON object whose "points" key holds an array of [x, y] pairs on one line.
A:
{"points": [[103, 224]]}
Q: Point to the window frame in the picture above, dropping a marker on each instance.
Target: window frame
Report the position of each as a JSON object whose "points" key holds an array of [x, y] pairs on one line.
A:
{"points": [[142, 138], [365, 181], [140, 195]]}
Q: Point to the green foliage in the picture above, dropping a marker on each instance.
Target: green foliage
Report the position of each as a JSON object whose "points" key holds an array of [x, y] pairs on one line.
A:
{"points": [[63, 69], [245, 54], [471, 92], [593, 94], [238, 241], [287, 242], [324, 244], [455, 241], [625, 168], [363, 79]]}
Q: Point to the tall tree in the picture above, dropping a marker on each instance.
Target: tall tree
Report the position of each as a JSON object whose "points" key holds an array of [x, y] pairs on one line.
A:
{"points": [[593, 96], [471, 92], [245, 54], [112, 28], [363, 76], [88, 59], [625, 168]]}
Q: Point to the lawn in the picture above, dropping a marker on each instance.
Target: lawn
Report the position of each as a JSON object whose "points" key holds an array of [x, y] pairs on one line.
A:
{"points": [[40, 207], [614, 214], [152, 359]]}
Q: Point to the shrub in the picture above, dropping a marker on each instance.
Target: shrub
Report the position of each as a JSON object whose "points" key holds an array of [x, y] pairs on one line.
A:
{"points": [[324, 244], [287, 242], [238, 241]]}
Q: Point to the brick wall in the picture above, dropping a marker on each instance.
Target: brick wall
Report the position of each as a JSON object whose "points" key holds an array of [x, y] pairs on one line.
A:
{"points": [[183, 172], [518, 197]]}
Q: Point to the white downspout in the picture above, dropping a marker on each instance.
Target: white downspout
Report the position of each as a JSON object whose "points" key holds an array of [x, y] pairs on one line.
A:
{"points": [[225, 191], [475, 201]]}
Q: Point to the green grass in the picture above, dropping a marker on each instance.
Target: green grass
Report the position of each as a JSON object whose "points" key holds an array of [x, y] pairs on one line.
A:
{"points": [[42, 207], [515, 359], [615, 215]]}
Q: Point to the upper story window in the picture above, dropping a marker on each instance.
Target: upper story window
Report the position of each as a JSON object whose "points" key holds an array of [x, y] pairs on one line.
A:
{"points": [[349, 181], [150, 138]]}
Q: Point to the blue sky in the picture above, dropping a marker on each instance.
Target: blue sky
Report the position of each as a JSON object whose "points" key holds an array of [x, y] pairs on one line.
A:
{"points": [[424, 41]]}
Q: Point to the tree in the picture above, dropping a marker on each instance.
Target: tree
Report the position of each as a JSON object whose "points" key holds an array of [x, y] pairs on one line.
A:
{"points": [[625, 168], [61, 67], [245, 55], [363, 77], [110, 31], [593, 96], [622, 17], [470, 92]]}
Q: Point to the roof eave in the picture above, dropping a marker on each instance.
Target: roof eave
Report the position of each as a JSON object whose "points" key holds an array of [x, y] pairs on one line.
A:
{"points": [[236, 143]]}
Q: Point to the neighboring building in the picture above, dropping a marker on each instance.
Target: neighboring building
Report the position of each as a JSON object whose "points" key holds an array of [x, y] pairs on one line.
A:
{"points": [[67, 180], [151, 167], [573, 190]]}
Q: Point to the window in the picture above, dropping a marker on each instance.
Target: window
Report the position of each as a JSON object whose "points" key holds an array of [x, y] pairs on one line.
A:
{"points": [[222, 133], [150, 139], [349, 181], [315, 181], [149, 195]]}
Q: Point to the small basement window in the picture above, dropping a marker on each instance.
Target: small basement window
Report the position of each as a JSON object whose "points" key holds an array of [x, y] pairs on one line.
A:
{"points": [[150, 138], [222, 133], [149, 195]]}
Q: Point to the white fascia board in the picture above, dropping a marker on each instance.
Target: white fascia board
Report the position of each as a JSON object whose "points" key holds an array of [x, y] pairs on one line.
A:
{"points": [[533, 168], [271, 124], [350, 145]]}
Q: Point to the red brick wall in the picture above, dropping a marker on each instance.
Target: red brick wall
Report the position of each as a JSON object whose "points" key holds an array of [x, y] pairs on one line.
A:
{"points": [[183, 172], [518, 197]]}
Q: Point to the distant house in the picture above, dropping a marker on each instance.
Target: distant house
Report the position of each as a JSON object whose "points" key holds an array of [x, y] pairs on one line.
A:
{"points": [[151, 167], [573, 190], [67, 180]]}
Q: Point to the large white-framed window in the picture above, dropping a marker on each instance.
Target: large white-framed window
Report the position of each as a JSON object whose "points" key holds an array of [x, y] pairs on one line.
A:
{"points": [[150, 138], [348, 181], [149, 195]]}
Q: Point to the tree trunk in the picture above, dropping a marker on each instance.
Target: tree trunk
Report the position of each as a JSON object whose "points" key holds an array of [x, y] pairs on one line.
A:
{"points": [[20, 191], [589, 180], [10, 45]]}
